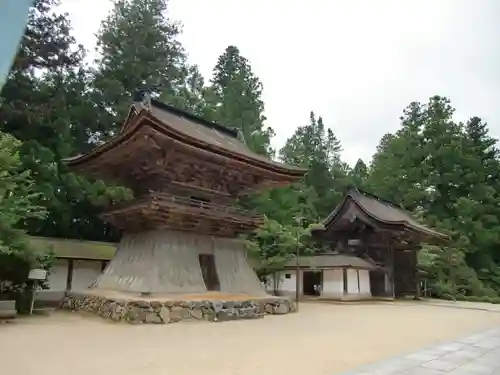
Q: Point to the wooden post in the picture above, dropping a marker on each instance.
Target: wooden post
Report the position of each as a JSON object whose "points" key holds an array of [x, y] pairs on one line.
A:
{"points": [[392, 268], [69, 276], [297, 264], [418, 291], [297, 273]]}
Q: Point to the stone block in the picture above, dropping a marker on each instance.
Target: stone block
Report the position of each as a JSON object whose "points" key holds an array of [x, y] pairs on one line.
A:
{"points": [[164, 314], [281, 309], [473, 369], [153, 318], [157, 312], [268, 308], [178, 313], [421, 371], [488, 343], [196, 313], [440, 364]]}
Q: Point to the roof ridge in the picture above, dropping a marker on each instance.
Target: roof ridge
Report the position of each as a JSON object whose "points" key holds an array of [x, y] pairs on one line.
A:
{"points": [[376, 197], [232, 132]]}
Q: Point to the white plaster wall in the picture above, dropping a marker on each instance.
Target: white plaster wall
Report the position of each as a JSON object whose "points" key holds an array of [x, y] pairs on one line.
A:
{"points": [[286, 286], [352, 281], [333, 283], [272, 283], [85, 272], [56, 281], [364, 282]]}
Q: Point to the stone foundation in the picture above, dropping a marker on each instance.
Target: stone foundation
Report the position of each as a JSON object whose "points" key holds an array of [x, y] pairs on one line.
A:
{"points": [[171, 311]]}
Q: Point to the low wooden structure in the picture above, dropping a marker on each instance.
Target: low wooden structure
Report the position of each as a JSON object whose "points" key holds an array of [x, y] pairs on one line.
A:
{"points": [[180, 231], [78, 264], [383, 233], [339, 276]]}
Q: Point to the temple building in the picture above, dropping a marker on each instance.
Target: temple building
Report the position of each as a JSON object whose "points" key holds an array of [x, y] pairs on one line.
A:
{"points": [[339, 277], [373, 245], [77, 265], [180, 232]]}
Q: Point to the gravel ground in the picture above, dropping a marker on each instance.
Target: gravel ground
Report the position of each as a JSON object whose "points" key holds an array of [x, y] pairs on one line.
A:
{"points": [[321, 339]]}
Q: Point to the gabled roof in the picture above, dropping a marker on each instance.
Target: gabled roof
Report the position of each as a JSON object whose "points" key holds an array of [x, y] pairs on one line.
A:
{"points": [[381, 211], [188, 129]]}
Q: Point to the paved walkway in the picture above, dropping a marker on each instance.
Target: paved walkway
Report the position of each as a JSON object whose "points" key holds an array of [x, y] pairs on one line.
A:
{"points": [[474, 355]]}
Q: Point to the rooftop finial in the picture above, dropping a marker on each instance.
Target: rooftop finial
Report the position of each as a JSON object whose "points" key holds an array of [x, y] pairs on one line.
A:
{"points": [[143, 95], [241, 137]]}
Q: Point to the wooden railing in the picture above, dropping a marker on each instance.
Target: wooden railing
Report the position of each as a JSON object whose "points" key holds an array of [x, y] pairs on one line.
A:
{"points": [[198, 203], [166, 199]]}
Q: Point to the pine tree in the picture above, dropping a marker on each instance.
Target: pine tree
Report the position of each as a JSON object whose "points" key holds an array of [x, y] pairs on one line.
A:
{"points": [[139, 48], [47, 44], [46, 105], [447, 172], [317, 149], [236, 98], [359, 174]]}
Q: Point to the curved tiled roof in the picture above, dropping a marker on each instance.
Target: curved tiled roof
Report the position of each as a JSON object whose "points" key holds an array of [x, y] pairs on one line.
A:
{"points": [[382, 211], [194, 131]]}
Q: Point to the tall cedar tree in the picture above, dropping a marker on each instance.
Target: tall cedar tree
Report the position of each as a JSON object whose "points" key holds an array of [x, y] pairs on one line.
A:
{"points": [[138, 48], [359, 174], [317, 149], [236, 99], [45, 104], [446, 172]]}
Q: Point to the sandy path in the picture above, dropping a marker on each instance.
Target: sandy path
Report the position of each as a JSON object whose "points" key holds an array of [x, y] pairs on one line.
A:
{"points": [[321, 339]]}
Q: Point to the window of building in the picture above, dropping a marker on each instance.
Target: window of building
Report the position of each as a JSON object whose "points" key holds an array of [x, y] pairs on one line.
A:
{"points": [[288, 275]]}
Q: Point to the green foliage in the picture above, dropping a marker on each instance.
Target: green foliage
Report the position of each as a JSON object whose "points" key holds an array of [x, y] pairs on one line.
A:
{"points": [[235, 98], [17, 204], [317, 149], [47, 104], [445, 172], [274, 244], [17, 198], [138, 47], [359, 174]]}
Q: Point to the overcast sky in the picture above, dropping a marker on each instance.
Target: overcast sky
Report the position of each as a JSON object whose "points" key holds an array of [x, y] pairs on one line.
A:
{"points": [[357, 63]]}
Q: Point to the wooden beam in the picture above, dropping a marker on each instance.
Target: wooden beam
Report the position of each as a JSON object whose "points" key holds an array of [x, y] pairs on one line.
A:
{"points": [[69, 275]]}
